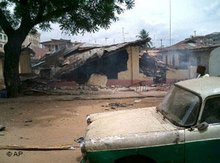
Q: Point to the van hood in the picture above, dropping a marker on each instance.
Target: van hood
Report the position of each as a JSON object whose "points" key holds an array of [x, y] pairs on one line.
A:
{"points": [[127, 128]]}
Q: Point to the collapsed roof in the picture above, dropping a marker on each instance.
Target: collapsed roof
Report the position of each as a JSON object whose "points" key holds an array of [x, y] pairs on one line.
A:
{"points": [[81, 61], [195, 43]]}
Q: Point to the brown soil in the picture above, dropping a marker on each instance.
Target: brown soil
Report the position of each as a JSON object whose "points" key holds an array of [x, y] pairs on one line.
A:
{"points": [[51, 121]]}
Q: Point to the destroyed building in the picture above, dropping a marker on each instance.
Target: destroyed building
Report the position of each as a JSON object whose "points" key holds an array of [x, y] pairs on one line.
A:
{"points": [[120, 63]]}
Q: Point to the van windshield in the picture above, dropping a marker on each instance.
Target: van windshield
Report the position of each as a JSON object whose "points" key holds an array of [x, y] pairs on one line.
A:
{"points": [[180, 106]]}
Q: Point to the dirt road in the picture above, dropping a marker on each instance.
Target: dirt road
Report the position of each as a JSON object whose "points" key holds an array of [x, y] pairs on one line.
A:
{"points": [[50, 121]]}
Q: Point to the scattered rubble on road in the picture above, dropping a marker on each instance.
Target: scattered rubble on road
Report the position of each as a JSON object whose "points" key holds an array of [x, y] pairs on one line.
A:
{"points": [[117, 105], [39, 86], [28, 121], [2, 128], [136, 101]]}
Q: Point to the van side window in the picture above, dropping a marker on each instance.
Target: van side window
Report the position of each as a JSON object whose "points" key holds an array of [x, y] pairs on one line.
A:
{"points": [[211, 112]]}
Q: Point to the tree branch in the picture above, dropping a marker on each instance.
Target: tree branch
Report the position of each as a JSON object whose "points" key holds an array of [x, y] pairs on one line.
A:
{"points": [[40, 13], [6, 26], [53, 14], [26, 18]]}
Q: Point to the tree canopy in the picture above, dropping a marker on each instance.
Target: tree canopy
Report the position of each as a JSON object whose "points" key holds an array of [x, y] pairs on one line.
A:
{"points": [[72, 15], [143, 35], [19, 17]]}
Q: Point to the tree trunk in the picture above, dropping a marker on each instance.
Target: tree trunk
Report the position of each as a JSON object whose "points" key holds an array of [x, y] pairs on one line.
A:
{"points": [[11, 66]]}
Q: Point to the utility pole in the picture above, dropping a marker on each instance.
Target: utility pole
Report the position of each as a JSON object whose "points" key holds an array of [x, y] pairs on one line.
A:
{"points": [[123, 34], [170, 24], [194, 33], [106, 39]]}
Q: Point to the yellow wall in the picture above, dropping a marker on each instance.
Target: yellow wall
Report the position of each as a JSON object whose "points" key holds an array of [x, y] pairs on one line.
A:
{"points": [[25, 64], [1, 69], [132, 72], [179, 74], [132, 65], [2, 85]]}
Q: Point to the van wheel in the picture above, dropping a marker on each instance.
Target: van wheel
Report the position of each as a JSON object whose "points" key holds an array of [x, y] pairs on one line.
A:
{"points": [[135, 159]]}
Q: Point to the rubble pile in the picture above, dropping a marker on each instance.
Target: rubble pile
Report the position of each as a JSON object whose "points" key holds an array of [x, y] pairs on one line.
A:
{"points": [[33, 86], [97, 80], [95, 86], [117, 105], [38, 86], [152, 67]]}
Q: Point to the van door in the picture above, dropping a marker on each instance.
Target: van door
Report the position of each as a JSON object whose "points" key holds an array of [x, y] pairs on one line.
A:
{"points": [[203, 146]]}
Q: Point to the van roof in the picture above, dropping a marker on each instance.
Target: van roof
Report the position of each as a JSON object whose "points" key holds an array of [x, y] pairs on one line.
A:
{"points": [[205, 86]]}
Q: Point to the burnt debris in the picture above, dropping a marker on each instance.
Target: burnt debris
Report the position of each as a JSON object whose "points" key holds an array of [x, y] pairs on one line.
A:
{"points": [[109, 65]]}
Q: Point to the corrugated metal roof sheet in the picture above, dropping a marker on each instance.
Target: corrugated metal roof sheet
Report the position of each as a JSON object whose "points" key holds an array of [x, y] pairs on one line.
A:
{"points": [[78, 56]]}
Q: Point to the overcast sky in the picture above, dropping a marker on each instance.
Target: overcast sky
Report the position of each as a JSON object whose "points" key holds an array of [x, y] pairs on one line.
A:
{"points": [[188, 17]]}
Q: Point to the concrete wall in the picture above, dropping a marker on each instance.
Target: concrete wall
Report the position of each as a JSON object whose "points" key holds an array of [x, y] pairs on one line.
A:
{"points": [[205, 61], [2, 85], [181, 74], [171, 58], [132, 72], [132, 65], [131, 75], [1, 69], [177, 74], [34, 39], [25, 64]]}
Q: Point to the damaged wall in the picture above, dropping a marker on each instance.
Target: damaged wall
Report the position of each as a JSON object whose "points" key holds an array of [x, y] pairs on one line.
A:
{"points": [[118, 62], [121, 68], [148, 65], [132, 65], [108, 65], [133, 73], [25, 63]]}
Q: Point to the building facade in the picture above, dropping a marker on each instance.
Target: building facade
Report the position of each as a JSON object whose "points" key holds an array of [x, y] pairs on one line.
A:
{"points": [[56, 45], [3, 40], [33, 40], [184, 57]]}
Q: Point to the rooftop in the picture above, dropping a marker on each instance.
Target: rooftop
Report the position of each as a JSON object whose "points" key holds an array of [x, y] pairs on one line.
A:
{"points": [[56, 41], [197, 43]]}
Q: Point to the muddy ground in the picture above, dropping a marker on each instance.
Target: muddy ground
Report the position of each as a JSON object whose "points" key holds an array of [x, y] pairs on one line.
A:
{"points": [[52, 122]]}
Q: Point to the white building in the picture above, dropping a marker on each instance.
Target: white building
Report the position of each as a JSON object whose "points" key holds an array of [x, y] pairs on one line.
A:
{"points": [[34, 39], [3, 40]]}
